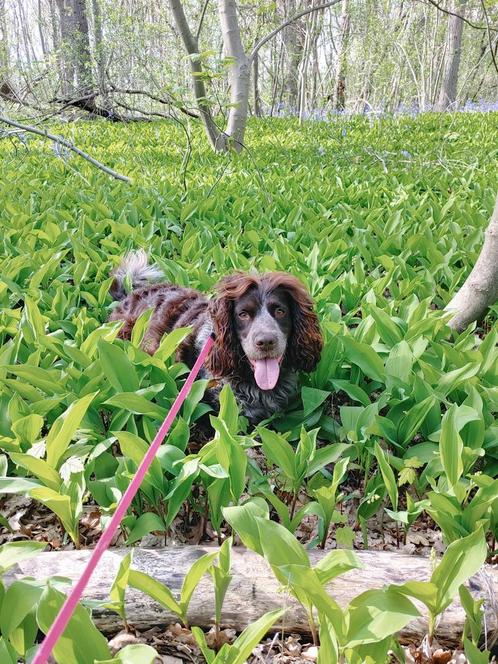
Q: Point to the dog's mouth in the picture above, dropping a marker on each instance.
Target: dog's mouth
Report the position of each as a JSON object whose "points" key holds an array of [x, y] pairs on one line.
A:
{"points": [[266, 371]]}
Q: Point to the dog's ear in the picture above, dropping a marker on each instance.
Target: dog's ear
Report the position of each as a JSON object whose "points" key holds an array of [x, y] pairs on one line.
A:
{"points": [[226, 354], [222, 359], [305, 345]]}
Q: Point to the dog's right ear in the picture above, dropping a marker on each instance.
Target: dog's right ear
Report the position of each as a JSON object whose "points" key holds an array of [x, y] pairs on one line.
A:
{"points": [[226, 354], [222, 360]]}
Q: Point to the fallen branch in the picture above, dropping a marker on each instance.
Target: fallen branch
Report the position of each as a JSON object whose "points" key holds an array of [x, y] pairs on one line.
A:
{"points": [[67, 144], [254, 589]]}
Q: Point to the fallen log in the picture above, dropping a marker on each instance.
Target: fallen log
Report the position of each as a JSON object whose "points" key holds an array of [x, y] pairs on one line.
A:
{"points": [[254, 590]]}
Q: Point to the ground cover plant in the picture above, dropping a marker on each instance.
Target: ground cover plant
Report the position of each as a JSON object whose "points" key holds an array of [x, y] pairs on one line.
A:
{"points": [[393, 441]]}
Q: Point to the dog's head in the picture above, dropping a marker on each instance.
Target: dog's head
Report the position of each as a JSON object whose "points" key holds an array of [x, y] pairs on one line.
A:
{"points": [[262, 322]]}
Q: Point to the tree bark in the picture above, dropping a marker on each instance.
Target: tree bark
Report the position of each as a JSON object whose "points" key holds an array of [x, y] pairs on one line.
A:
{"points": [[6, 89], [191, 45], [254, 588], [480, 289], [240, 73], [449, 82], [75, 57], [340, 82], [293, 41]]}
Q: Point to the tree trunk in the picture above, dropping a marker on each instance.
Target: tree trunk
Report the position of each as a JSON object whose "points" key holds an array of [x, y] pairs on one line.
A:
{"points": [[240, 73], [293, 42], [100, 52], [191, 45], [257, 98], [340, 83], [254, 588], [75, 57], [449, 82], [6, 89], [480, 289]]}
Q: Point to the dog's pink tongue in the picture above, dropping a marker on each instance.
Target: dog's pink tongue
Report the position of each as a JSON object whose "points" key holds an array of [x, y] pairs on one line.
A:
{"points": [[266, 373]]}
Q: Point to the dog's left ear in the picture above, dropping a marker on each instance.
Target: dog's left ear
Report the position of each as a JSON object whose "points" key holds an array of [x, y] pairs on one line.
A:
{"points": [[306, 342]]}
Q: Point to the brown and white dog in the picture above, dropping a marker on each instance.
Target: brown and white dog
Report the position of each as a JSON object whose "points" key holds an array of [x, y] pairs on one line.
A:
{"points": [[264, 325]]}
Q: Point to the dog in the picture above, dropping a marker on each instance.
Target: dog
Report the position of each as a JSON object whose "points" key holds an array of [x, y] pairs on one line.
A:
{"points": [[265, 329]]}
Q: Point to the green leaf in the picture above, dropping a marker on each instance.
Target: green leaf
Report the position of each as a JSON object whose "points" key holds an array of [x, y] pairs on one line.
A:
{"points": [[335, 563], [64, 428], [312, 399], [135, 403], [20, 599], [81, 641], [388, 330], [377, 614], [451, 446], [192, 578], [155, 589], [12, 553], [119, 585], [387, 475], [242, 518], [145, 524], [117, 367], [60, 505], [278, 451], [136, 653], [39, 468], [245, 643], [461, 560], [364, 357], [135, 448]]}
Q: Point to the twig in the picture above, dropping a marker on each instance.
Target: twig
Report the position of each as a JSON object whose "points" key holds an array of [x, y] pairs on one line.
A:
{"points": [[201, 19], [489, 35], [67, 144], [465, 20], [283, 25]]}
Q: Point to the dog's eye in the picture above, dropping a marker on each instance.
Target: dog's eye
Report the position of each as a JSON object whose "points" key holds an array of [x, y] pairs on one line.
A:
{"points": [[243, 315], [279, 312]]}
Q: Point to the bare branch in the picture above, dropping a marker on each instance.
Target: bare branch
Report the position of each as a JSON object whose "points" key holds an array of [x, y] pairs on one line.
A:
{"points": [[489, 35], [161, 100], [283, 25], [67, 144], [465, 20], [201, 20]]}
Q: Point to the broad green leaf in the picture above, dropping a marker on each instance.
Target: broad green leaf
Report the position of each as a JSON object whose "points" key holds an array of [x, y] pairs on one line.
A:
{"points": [[377, 614], [39, 468], [192, 578], [312, 399], [155, 589], [64, 428], [460, 561], [81, 641], [117, 367], [364, 357], [12, 553], [245, 643]]}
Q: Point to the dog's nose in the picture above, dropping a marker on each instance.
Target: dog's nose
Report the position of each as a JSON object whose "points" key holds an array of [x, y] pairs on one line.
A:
{"points": [[266, 342]]}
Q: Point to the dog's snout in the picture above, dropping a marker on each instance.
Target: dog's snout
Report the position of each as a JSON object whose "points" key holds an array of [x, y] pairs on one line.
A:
{"points": [[266, 342]]}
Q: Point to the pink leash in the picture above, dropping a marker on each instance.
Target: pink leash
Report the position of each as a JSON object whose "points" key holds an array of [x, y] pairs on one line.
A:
{"points": [[75, 594]]}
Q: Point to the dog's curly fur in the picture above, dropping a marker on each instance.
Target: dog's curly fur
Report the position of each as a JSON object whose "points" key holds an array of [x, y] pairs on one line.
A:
{"points": [[176, 306]]}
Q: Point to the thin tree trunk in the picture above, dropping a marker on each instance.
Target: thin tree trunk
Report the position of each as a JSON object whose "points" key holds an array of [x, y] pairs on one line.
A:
{"points": [[240, 72], [480, 289], [449, 83], [100, 52], [191, 45], [340, 83], [257, 98]]}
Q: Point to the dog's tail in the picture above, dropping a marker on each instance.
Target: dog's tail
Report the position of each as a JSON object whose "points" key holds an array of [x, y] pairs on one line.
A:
{"points": [[133, 272]]}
